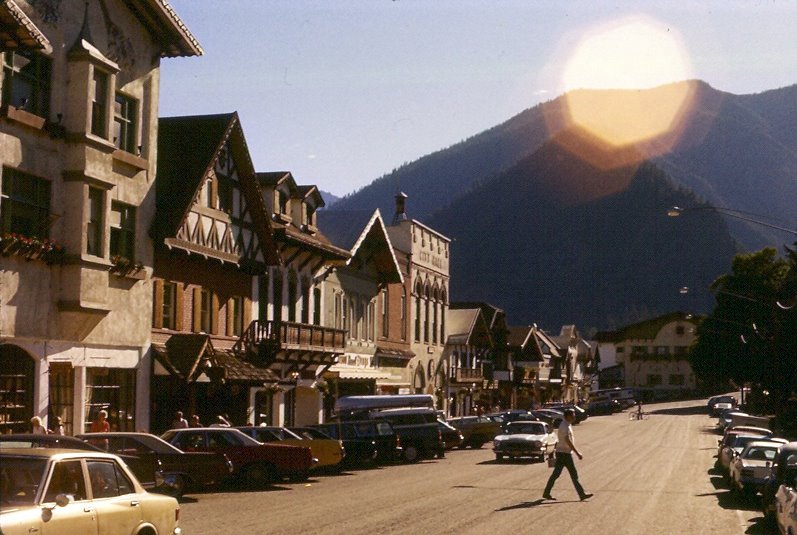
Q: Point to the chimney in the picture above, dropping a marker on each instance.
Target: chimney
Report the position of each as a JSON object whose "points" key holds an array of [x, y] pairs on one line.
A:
{"points": [[401, 213]]}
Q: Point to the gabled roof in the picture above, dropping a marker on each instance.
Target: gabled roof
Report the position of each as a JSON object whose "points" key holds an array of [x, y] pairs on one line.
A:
{"points": [[311, 192], [18, 31], [519, 336], [644, 330], [467, 327], [272, 179], [165, 27], [187, 151], [492, 313], [364, 235]]}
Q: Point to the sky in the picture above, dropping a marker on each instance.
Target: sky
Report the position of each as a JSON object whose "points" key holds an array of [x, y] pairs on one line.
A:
{"points": [[341, 92]]}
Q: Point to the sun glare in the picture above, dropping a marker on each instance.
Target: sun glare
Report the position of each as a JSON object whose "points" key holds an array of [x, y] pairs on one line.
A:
{"points": [[608, 67]]}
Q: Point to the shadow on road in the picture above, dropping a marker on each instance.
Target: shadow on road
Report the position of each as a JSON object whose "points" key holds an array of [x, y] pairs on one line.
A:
{"points": [[681, 411], [535, 503], [523, 460]]}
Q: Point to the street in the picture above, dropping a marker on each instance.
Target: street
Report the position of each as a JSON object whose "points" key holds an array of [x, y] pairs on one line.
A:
{"points": [[650, 476]]}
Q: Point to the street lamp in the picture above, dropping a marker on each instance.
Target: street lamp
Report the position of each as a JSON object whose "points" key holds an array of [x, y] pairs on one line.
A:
{"points": [[676, 211]]}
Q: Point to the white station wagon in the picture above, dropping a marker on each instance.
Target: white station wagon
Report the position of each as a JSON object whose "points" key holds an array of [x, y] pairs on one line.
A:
{"points": [[525, 439]]}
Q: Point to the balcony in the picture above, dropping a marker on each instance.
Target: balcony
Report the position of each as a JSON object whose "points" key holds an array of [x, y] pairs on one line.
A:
{"points": [[467, 375], [289, 341]]}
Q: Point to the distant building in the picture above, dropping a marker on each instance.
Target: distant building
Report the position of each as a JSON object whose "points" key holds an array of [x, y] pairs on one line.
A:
{"points": [[653, 355], [78, 137], [425, 300]]}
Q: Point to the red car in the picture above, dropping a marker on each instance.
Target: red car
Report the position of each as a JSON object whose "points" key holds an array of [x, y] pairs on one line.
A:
{"points": [[255, 463]]}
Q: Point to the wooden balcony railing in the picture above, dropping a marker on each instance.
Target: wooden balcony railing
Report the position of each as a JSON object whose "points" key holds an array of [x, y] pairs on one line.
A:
{"points": [[291, 336], [467, 375]]}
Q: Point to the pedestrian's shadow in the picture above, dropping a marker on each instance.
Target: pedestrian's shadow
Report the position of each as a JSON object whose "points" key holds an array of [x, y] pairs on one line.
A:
{"points": [[535, 503]]}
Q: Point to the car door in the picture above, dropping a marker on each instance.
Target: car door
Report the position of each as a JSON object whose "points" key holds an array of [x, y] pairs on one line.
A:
{"points": [[78, 517], [117, 505]]}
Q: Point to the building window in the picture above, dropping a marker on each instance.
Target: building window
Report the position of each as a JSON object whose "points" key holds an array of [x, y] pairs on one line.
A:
{"points": [[225, 188], [236, 311], [24, 204], [316, 306], [94, 223], [426, 320], [345, 315], [112, 390], [418, 318], [123, 230], [283, 202], [434, 323], [385, 323], [371, 320], [309, 214], [99, 104], [169, 308], [306, 292], [353, 325], [16, 385], [403, 313], [125, 112], [292, 296], [205, 313], [338, 318], [26, 82], [677, 380], [62, 381], [654, 380]]}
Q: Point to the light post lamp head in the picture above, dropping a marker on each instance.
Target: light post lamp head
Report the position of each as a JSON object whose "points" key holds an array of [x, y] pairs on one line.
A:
{"points": [[675, 211]]}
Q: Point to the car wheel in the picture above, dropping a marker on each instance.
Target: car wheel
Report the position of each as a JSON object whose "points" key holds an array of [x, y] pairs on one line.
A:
{"points": [[299, 476], [174, 485], [411, 454], [477, 445], [499, 456], [259, 475]]}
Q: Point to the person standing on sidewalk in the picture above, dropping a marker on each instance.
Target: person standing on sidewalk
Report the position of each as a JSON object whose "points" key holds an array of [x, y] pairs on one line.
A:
{"points": [[565, 447]]}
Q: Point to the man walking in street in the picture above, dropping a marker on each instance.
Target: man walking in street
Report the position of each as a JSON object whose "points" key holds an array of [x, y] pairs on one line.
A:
{"points": [[565, 447]]}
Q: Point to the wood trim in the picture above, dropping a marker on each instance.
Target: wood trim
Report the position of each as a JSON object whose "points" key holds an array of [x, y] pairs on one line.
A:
{"points": [[228, 317], [247, 312], [196, 318], [179, 306], [214, 313], [157, 304]]}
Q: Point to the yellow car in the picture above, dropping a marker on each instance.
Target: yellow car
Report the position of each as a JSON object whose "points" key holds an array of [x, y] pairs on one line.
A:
{"points": [[327, 451], [65, 492]]}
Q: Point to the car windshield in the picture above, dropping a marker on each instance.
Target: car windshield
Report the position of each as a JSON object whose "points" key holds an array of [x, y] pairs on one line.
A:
{"points": [[526, 429], [20, 479], [310, 434], [761, 453]]}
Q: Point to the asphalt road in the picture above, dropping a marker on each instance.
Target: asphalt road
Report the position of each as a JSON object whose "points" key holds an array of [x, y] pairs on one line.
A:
{"points": [[651, 476]]}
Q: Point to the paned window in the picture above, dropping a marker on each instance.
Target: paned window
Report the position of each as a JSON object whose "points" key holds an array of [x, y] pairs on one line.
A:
{"points": [[94, 225], [384, 314], [205, 306], [169, 307], [112, 390], [99, 104], [316, 306], [26, 82], [24, 204], [237, 305], [62, 381], [123, 230], [125, 111]]}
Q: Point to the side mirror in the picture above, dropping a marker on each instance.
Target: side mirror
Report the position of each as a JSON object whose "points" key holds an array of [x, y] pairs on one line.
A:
{"points": [[63, 500]]}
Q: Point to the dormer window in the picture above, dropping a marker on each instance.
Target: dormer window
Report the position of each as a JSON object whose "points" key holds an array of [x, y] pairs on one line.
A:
{"points": [[309, 215], [26, 82]]}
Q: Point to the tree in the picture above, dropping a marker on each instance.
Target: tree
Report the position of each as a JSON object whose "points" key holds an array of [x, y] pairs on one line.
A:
{"points": [[749, 338]]}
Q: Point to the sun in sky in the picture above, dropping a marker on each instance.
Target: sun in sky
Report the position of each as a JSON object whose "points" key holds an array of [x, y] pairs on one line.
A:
{"points": [[627, 54]]}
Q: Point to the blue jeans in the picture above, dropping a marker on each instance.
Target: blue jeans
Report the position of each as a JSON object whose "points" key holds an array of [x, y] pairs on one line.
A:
{"points": [[564, 460]]}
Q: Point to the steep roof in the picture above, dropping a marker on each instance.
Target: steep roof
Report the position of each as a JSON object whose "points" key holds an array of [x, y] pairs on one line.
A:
{"points": [[18, 31], [364, 235], [467, 327], [165, 27], [519, 336]]}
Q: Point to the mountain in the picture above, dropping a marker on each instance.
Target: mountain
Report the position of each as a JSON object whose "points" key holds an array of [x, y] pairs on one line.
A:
{"points": [[329, 199], [732, 151], [556, 239]]}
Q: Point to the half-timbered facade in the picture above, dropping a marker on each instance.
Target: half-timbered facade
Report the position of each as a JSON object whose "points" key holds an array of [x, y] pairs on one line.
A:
{"points": [[213, 238], [78, 128], [355, 297], [288, 334], [467, 351]]}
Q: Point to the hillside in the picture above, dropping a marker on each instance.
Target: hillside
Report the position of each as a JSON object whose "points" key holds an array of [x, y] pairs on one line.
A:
{"points": [[734, 151], [557, 240]]}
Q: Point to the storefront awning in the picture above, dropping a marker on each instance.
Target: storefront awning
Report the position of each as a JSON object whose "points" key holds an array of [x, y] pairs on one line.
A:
{"points": [[386, 353]]}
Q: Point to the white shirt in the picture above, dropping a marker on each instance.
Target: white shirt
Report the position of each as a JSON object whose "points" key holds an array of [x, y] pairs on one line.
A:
{"points": [[564, 432]]}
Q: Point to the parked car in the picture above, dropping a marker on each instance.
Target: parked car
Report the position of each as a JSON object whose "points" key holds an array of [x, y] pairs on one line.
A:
{"points": [[417, 430], [786, 508], [603, 407], [72, 492], [580, 413], [734, 447], [726, 401], [550, 416], [752, 466], [731, 435], [504, 417], [181, 469], [525, 439], [784, 470], [327, 451], [450, 435], [476, 430], [255, 463], [364, 440], [725, 418], [149, 472]]}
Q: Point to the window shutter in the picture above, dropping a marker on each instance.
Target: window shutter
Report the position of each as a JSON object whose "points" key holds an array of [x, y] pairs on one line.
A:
{"points": [[214, 313], [229, 315], [197, 315], [178, 307], [157, 304], [247, 313]]}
